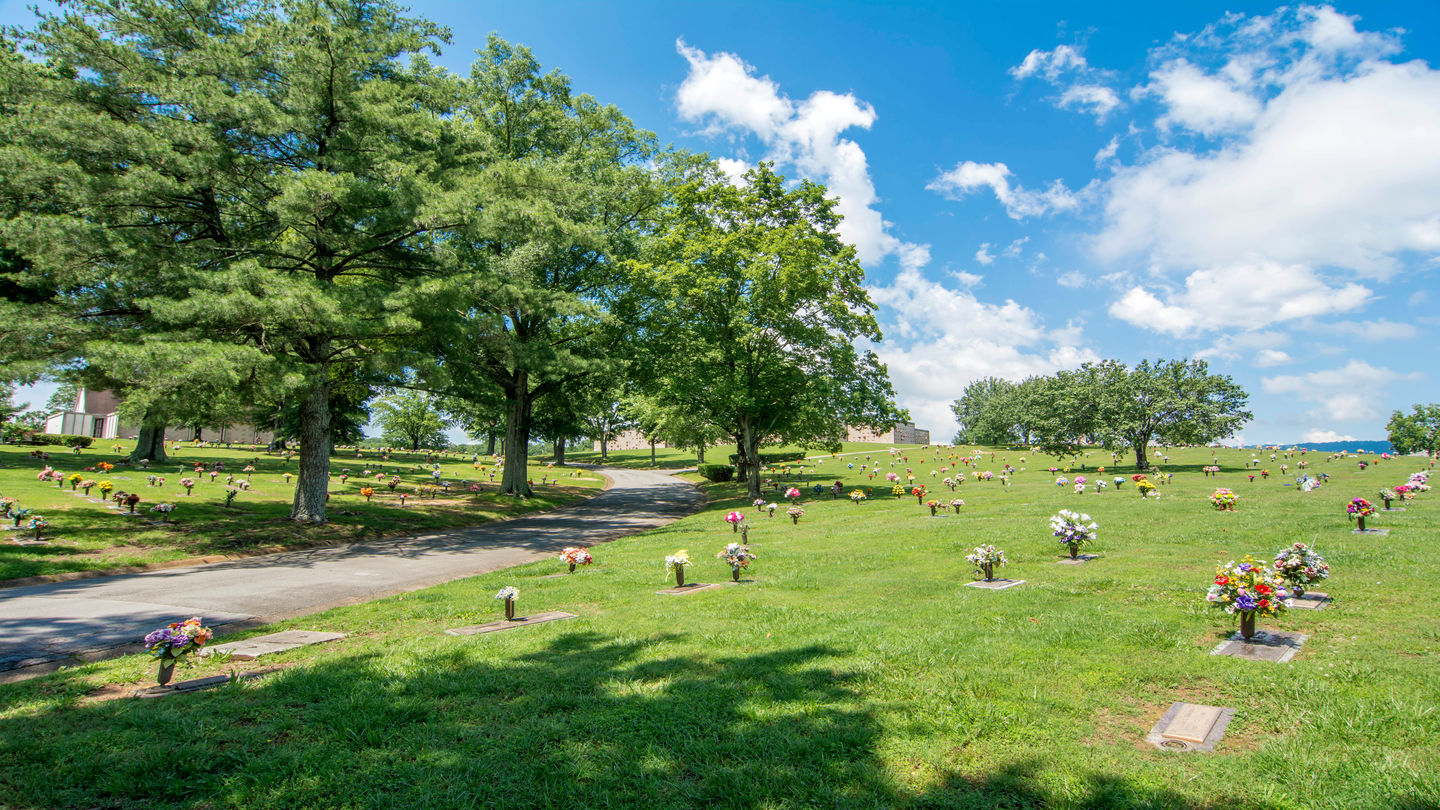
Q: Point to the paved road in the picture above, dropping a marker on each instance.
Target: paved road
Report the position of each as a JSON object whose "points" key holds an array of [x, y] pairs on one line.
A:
{"points": [[42, 626]]}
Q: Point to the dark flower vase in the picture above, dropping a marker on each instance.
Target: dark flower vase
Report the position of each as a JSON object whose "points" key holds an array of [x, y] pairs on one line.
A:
{"points": [[167, 671], [1387, 504], [510, 610], [1361, 521], [1074, 552], [735, 574], [679, 576], [989, 570], [932, 511], [1247, 625], [572, 568]]}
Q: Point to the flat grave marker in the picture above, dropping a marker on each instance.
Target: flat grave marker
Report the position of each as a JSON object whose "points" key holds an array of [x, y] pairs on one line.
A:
{"points": [[251, 648], [995, 584], [692, 587], [1377, 532], [1312, 600], [1190, 727], [181, 687], [510, 624], [1267, 645], [1080, 560]]}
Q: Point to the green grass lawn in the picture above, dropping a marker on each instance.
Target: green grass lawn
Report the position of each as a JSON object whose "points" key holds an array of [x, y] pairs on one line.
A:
{"points": [[855, 670], [89, 536], [671, 459]]}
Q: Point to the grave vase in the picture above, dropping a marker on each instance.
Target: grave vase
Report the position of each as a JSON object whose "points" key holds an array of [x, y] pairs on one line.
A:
{"points": [[167, 670], [989, 571], [1387, 504], [1361, 520], [1247, 625], [1074, 551], [735, 573], [510, 610], [679, 576], [932, 511], [572, 567]]}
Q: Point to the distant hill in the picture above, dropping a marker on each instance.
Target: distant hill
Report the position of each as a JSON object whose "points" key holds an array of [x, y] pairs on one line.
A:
{"points": [[1330, 447]]}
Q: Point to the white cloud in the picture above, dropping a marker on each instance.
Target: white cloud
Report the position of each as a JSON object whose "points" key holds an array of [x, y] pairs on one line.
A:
{"points": [[983, 255], [1330, 162], [1095, 99], [1107, 152], [1267, 358], [1318, 436], [1350, 393], [734, 169], [1247, 295], [1199, 102], [967, 279], [968, 176], [939, 339], [1050, 64], [1073, 279], [1376, 331], [722, 92], [1013, 250], [1066, 69]]}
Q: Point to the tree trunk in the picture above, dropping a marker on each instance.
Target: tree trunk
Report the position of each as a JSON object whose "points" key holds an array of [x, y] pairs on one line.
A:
{"points": [[700, 454], [517, 438], [560, 452], [490, 450], [414, 444], [604, 443], [1140, 462], [313, 483], [750, 454], [652, 452], [150, 444]]}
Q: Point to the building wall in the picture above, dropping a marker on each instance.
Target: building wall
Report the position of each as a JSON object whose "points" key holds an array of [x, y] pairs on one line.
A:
{"points": [[900, 434], [96, 415], [629, 440]]}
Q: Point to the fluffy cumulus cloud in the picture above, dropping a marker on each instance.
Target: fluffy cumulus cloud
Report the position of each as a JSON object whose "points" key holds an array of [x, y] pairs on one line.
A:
{"points": [[1246, 295], [969, 176], [723, 94], [1350, 393], [1080, 86], [1326, 436], [939, 339]]}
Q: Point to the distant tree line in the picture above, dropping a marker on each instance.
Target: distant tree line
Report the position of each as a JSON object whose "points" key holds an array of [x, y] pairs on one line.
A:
{"points": [[1108, 404]]}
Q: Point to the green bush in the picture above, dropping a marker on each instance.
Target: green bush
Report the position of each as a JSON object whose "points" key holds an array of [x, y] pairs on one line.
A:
{"points": [[773, 458], [716, 472], [65, 439]]}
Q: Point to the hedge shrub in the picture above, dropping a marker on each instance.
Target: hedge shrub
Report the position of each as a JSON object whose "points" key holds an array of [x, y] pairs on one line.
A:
{"points": [[65, 439], [773, 458], [716, 472]]}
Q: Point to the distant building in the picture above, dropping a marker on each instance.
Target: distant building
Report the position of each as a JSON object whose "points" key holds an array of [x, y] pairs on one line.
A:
{"points": [[899, 434], [629, 440], [96, 414]]}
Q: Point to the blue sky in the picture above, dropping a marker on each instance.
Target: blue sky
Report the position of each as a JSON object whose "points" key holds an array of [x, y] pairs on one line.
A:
{"points": [[1033, 185]]}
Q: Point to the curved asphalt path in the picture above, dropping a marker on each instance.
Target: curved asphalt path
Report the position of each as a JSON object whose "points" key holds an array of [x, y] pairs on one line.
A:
{"points": [[45, 626]]}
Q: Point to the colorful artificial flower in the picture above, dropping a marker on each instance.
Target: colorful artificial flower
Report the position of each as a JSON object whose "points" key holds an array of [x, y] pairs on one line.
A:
{"points": [[1224, 500]]}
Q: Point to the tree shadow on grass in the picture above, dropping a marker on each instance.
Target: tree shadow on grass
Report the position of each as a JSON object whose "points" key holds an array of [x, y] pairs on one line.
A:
{"points": [[586, 721]]}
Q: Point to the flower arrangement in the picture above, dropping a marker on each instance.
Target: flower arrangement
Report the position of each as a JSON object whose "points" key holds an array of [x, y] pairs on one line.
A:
{"points": [[1119, 481], [1387, 495], [1100, 485], [956, 504], [230, 493], [892, 476], [1138, 477], [770, 509], [37, 523], [792, 493], [985, 558], [1074, 529], [6, 504], [1301, 567], [738, 556], [175, 641], [1224, 500], [934, 507], [1062, 481], [675, 563], [985, 476], [188, 484], [243, 485], [1247, 588], [898, 490], [758, 503], [368, 493], [734, 519], [857, 496], [508, 595], [574, 555], [795, 513], [919, 493], [1359, 509], [131, 501], [75, 479], [163, 509], [1145, 487]]}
